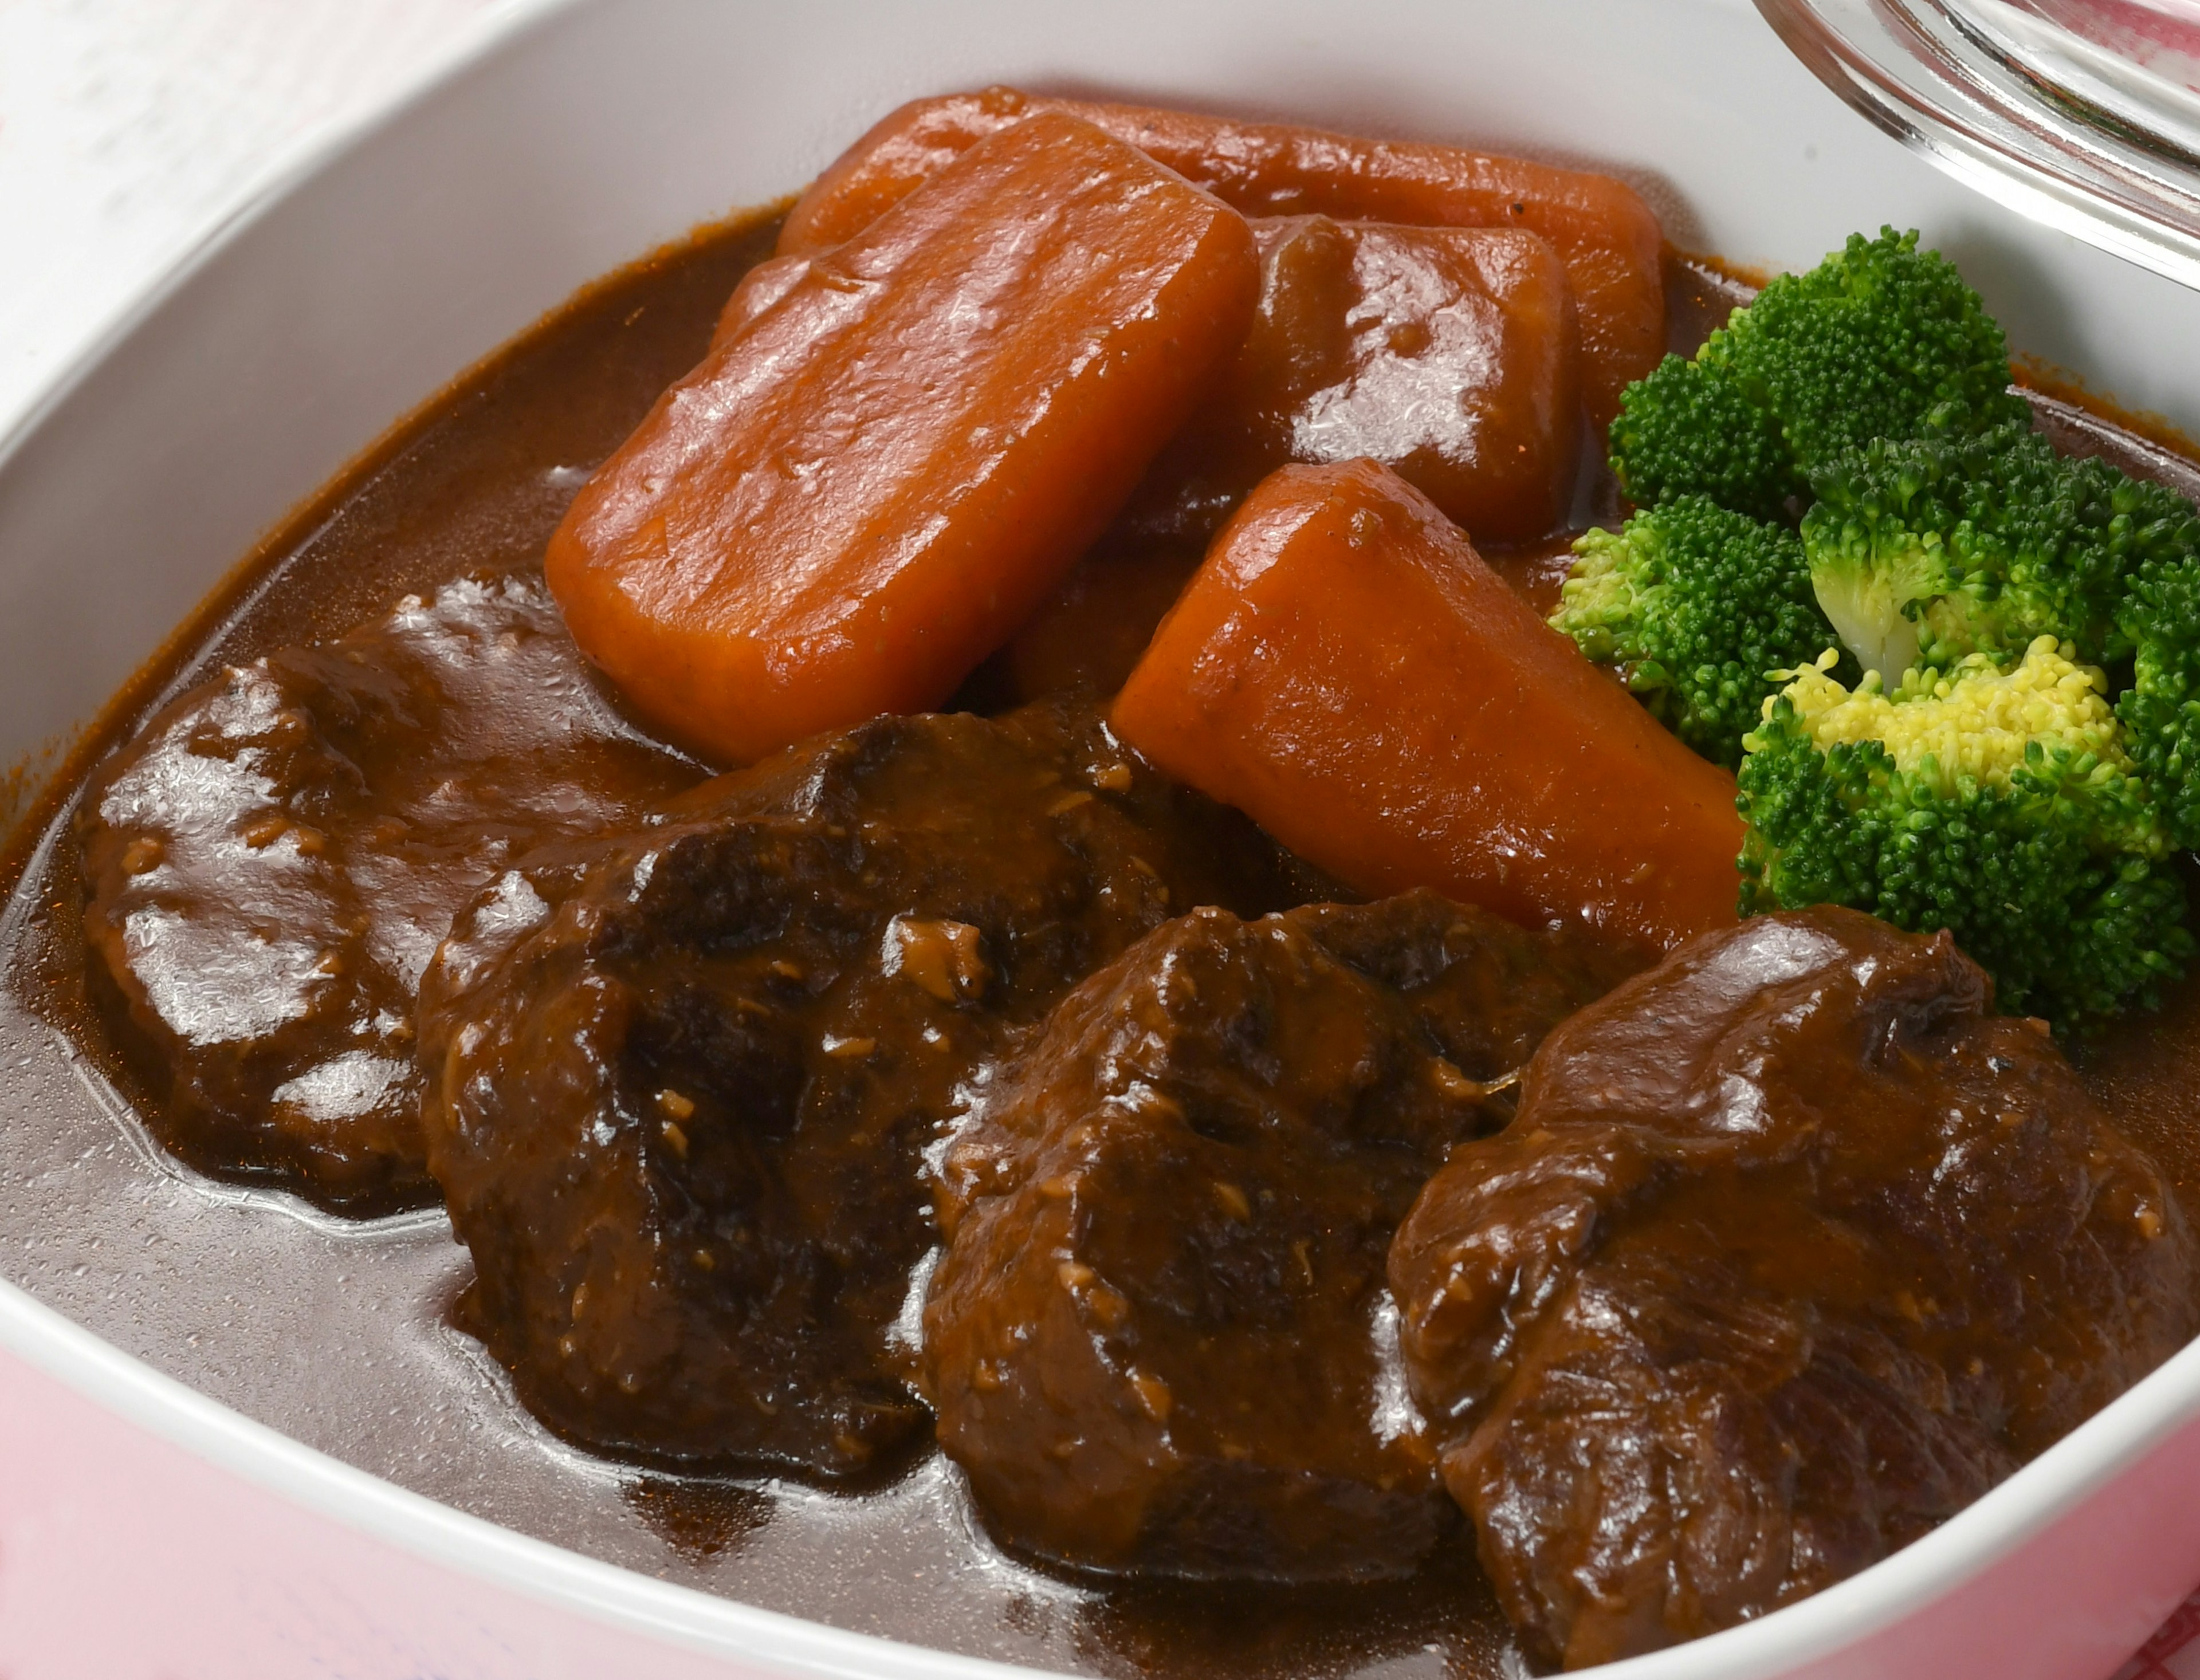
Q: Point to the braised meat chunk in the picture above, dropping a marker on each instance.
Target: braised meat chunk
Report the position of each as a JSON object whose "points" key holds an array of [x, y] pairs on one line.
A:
{"points": [[683, 1074], [1159, 1339], [1792, 1250], [272, 859]]}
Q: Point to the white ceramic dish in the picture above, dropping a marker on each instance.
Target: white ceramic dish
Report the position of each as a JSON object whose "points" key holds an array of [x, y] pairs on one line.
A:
{"points": [[148, 1528]]}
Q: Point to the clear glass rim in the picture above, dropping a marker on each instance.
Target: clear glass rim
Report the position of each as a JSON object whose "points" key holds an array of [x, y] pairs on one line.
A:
{"points": [[2068, 126]]}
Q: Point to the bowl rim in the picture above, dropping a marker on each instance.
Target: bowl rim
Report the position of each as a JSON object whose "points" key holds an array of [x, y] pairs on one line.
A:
{"points": [[498, 31], [2000, 1522]]}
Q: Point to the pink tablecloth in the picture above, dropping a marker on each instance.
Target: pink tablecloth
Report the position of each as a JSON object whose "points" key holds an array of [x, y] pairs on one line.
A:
{"points": [[2173, 1652]]}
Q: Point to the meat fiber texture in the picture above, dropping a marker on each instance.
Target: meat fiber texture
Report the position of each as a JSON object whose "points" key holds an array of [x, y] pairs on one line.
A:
{"points": [[682, 1078], [273, 859], [1159, 1341], [1793, 1249]]}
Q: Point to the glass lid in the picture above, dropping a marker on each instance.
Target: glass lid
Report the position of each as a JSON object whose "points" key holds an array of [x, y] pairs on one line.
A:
{"points": [[2082, 114]]}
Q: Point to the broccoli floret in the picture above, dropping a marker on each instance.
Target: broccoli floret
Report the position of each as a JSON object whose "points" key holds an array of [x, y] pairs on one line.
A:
{"points": [[1698, 428], [2161, 711], [1698, 607], [1922, 553], [1999, 805], [1880, 340]]}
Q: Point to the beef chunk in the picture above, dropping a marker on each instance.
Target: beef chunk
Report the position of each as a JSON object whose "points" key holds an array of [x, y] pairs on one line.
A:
{"points": [[1792, 1249], [684, 1074], [274, 857], [1159, 1339]]}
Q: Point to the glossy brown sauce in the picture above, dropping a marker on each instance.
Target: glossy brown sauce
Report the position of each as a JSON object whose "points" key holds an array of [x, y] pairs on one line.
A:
{"points": [[475, 482]]}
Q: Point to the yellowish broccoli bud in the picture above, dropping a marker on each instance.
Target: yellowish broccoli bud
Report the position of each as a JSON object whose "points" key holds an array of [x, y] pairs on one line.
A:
{"points": [[2002, 805], [1973, 724]]}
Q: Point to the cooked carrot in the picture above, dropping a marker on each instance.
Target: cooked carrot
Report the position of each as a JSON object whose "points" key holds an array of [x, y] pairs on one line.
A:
{"points": [[865, 488], [760, 288], [1604, 233], [1450, 354], [1346, 670]]}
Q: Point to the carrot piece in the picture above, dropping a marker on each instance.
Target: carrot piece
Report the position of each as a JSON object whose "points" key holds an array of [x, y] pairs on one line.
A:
{"points": [[1603, 232], [1346, 670], [1448, 354], [762, 287], [866, 487]]}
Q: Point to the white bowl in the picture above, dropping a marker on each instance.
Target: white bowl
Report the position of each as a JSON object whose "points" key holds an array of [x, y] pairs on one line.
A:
{"points": [[148, 1524]]}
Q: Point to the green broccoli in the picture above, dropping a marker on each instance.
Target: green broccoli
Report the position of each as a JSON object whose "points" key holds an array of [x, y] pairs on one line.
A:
{"points": [[1880, 340], [1999, 805], [1927, 550], [1698, 607], [1698, 427], [2161, 711]]}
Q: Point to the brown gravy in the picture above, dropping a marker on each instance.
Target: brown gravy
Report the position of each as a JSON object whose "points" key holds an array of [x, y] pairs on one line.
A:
{"points": [[476, 481]]}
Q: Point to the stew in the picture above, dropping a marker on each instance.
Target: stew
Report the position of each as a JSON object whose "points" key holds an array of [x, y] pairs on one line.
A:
{"points": [[937, 844]]}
